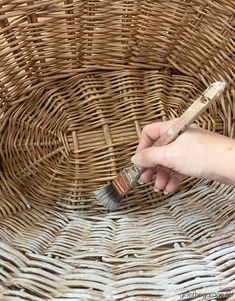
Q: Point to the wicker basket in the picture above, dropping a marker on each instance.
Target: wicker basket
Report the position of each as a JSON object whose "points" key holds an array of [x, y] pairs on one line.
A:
{"points": [[78, 81]]}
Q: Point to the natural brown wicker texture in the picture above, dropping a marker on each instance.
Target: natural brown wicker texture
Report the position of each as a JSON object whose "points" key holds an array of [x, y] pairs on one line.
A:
{"points": [[78, 81]]}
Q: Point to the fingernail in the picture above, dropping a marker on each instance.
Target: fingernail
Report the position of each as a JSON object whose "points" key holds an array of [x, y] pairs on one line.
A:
{"points": [[165, 192], [140, 182], [156, 189], [133, 159]]}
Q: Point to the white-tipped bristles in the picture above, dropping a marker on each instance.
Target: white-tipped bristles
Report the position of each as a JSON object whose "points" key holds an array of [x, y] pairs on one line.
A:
{"points": [[108, 197]]}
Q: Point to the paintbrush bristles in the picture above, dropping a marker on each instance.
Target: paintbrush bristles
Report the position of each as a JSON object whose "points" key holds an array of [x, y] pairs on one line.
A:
{"points": [[108, 197]]}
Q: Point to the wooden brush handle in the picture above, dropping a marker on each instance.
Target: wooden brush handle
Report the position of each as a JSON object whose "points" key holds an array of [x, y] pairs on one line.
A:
{"points": [[192, 113], [184, 121]]}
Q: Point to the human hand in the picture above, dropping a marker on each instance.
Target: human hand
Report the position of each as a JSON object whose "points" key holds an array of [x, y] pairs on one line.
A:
{"points": [[197, 152]]}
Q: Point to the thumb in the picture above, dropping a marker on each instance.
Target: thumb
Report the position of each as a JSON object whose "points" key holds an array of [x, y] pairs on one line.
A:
{"points": [[151, 157]]}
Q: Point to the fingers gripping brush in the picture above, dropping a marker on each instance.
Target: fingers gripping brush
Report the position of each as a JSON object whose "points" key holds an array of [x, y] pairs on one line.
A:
{"points": [[111, 194]]}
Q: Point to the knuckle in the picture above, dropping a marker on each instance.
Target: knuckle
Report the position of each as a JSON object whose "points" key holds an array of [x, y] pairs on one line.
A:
{"points": [[142, 158], [168, 155], [145, 129]]}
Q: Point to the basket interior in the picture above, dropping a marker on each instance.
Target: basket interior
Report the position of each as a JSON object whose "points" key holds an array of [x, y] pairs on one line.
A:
{"points": [[78, 81]]}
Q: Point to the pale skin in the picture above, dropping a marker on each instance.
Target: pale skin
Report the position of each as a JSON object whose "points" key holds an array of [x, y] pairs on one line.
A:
{"points": [[196, 153]]}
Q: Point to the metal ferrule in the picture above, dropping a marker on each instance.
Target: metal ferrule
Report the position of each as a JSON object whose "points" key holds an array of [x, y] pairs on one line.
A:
{"points": [[127, 179]]}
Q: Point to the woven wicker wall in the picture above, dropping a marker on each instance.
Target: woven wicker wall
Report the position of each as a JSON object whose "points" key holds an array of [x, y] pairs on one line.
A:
{"points": [[78, 81]]}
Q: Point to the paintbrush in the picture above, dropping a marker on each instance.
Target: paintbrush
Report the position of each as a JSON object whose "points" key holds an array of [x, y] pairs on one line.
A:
{"points": [[111, 194]]}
